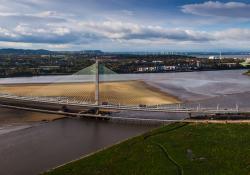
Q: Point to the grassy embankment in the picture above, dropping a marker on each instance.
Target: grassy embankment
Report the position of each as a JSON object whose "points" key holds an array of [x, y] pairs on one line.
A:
{"points": [[247, 73], [174, 149], [245, 64]]}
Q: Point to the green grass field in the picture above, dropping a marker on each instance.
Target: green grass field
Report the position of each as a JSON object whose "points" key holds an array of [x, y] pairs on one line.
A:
{"points": [[245, 64], [190, 149]]}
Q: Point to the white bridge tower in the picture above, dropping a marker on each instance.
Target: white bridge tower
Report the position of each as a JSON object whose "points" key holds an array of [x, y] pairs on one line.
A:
{"points": [[97, 83]]}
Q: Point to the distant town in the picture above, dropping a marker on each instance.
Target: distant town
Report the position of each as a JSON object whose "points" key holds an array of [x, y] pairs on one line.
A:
{"points": [[18, 63]]}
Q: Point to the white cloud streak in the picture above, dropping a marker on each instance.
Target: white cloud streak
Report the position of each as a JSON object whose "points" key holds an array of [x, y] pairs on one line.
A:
{"points": [[218, 9], [117, 31]]}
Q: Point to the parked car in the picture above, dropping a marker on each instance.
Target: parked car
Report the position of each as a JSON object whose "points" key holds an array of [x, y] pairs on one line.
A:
{"points": [[105, 103], [142, 106]]}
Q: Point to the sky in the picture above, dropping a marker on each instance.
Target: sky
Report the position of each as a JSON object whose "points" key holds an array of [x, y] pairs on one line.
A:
{"points": [[125, 25]]}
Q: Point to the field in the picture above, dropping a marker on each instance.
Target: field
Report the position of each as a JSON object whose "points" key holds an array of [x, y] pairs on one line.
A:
{"points": [[202, 149], [245, 64], [125, 92]]}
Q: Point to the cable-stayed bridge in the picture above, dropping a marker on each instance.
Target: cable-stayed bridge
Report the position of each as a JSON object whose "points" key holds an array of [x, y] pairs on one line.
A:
{"points": [[94, 100], [173, 108]]}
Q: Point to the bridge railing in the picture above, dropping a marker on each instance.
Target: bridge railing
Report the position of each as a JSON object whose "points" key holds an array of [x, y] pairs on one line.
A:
{"points": [[164, 108]]}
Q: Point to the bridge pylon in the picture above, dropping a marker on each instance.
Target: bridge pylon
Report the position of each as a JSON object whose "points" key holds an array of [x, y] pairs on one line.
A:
{"points": [[97, 83]]}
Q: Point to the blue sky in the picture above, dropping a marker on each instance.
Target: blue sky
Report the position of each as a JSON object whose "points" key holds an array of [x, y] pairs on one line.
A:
{"points": [[131, 25]]}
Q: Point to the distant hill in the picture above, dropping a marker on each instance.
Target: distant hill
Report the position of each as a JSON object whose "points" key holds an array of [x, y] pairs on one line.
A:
{"points": [[24, 52], [11, 51]]}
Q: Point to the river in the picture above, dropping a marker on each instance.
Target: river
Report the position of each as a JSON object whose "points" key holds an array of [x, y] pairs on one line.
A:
{"points": [[41, 146], [185, 85]]}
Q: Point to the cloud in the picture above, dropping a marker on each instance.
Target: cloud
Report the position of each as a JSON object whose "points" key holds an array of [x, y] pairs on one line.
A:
{"points": [[4, 33], [43, 16], [235, 34], [47, 34], [139, 36], [216, 8], [110, 32], [127, 31], [118, 24], [29, 34]]}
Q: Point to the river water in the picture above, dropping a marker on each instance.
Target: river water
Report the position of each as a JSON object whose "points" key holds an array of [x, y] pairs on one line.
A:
{"points": [[43, 146], [185, 85], [30, 148]]}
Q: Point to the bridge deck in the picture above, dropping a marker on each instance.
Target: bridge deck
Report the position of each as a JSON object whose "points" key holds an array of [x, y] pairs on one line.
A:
{"points": [[176, 108]]}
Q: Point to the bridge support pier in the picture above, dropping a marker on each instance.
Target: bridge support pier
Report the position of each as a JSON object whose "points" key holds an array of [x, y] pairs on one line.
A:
{"points": [[97, 87], [97, 111], [190, 115]]}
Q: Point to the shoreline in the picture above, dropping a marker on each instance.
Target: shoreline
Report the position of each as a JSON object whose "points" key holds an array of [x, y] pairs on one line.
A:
{"points": [[247, 73], [79, 165], [167, 72], [154, 88], [6, 128], [98, 151]]}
